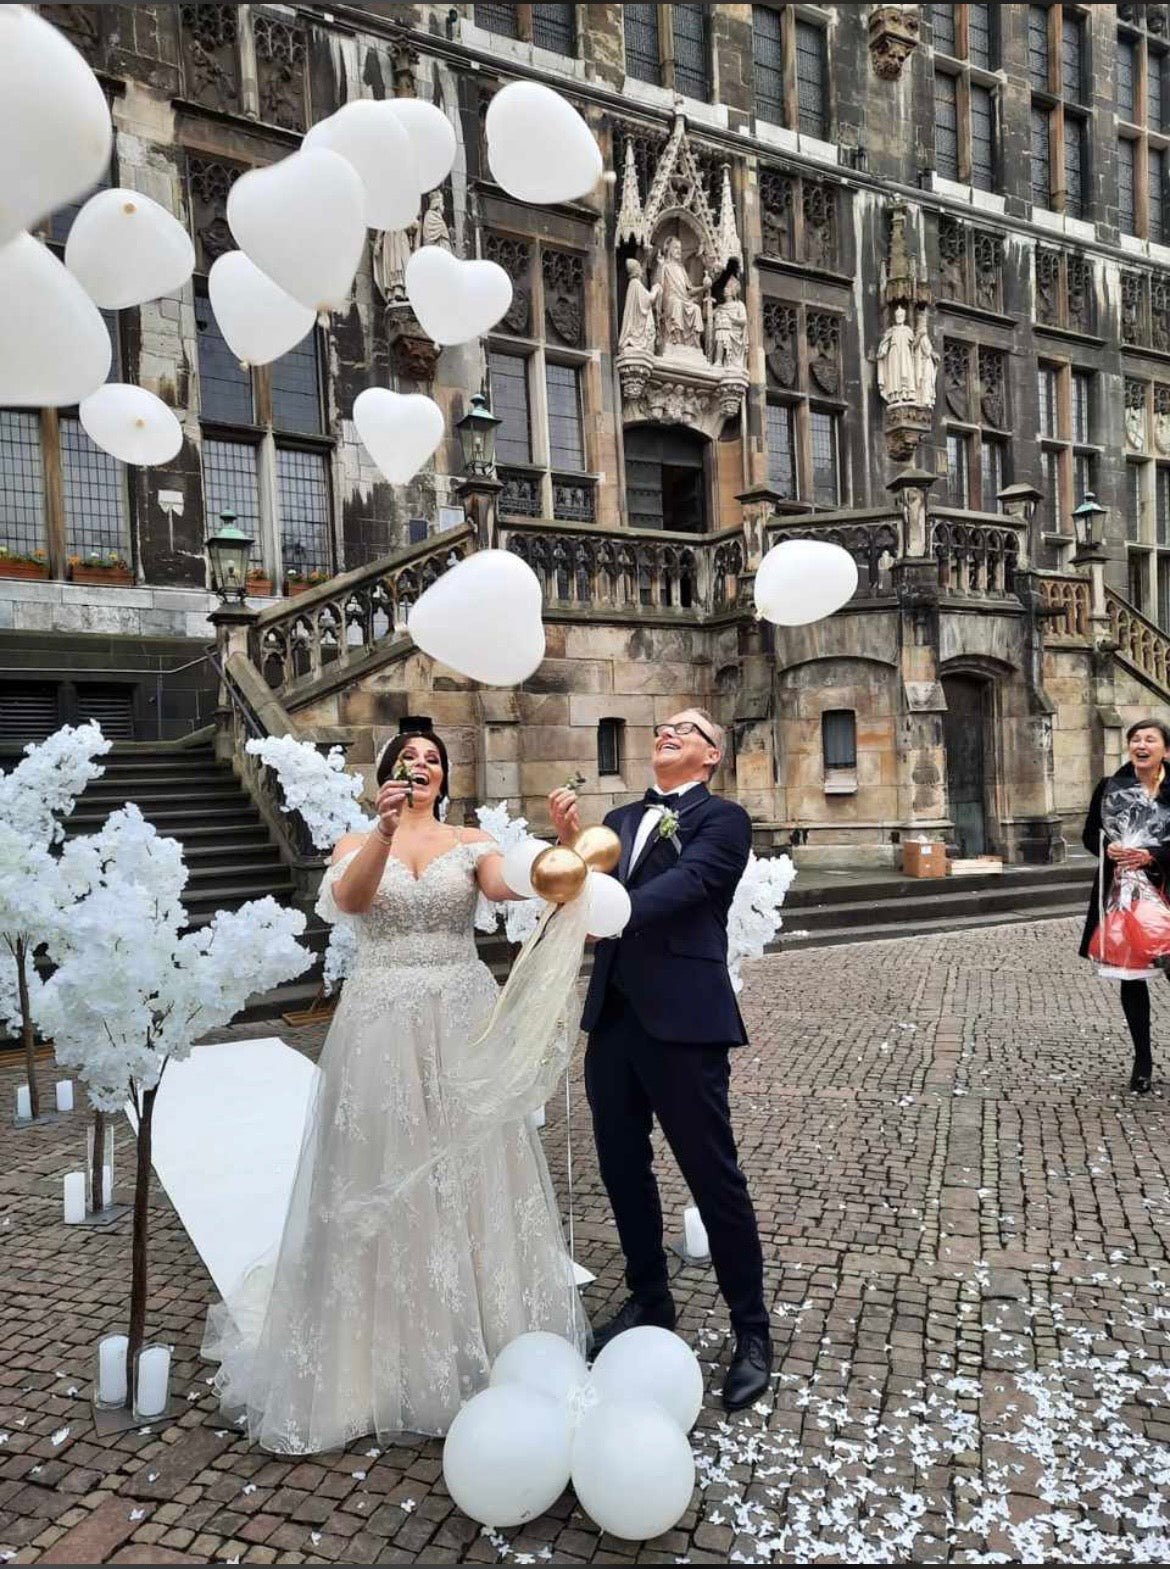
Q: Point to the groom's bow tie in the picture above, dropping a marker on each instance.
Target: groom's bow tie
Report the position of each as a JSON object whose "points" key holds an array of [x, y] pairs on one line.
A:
{"points": [[656, 798]]}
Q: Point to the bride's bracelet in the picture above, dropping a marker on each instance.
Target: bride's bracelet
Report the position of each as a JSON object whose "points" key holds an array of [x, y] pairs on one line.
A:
{"points": [[387, 839]]}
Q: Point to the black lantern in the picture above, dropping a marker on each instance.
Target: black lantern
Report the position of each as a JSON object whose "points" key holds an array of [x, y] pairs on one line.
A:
{"points": [[1089, 523], [477, 435], [229, 552]]}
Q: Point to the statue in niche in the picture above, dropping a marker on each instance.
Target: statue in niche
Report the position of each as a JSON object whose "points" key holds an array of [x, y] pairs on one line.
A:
{"points": [[1135, 427], [897, 366], [434, 224], [639, 329], [731, 327], [925, 366], [681, 317], [391, 252]]}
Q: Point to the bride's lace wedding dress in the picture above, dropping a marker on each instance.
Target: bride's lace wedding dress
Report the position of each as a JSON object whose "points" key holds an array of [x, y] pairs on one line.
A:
{"points": [[393, 1291]]}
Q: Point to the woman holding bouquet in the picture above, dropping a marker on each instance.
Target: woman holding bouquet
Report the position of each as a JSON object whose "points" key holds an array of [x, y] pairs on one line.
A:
{"points": [[1127, 928]]}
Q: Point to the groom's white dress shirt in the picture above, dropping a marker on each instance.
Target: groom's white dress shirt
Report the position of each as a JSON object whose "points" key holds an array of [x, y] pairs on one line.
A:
{"points": [[651, 816]]}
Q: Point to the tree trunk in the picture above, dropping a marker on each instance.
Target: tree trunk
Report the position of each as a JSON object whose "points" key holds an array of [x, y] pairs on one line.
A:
{"points": [[27, 1033], [98, 1170], [137, 1334]]}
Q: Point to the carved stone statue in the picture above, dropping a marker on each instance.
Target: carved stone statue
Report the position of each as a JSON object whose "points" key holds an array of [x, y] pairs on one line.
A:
{"points": [[1162, 431], [897, 369], [681, 317], [434, 224], [1135, 428], [639, 327], [925, 366], [731, 327], [391, 251]]}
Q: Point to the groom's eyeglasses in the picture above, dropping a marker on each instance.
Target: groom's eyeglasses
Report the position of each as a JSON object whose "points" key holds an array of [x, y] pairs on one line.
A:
{"points": [[686, 728]]}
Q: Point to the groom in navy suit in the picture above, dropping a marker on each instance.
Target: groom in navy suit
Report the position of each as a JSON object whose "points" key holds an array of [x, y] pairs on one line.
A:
{"points": [[662, 1017]]}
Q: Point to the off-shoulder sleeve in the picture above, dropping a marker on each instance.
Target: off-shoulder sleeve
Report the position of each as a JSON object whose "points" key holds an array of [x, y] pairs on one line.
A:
{"points": [[478, 848], [326, 906]]}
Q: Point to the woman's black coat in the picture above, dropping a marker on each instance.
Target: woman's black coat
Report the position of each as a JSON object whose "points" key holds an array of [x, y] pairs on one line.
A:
{"points": [[1158, 873]]}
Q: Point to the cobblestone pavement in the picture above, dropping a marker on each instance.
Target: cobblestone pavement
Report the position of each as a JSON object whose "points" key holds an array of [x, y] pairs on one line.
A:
{"points": [[966, 1223]]}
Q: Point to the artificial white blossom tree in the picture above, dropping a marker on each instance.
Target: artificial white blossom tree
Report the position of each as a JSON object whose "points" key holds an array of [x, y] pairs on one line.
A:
{"points": [[132, 991], [34, 799], [754, 917]]}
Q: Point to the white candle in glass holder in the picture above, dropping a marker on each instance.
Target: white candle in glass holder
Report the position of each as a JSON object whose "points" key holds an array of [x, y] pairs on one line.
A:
{"points": [[65, 1095], [23, 1103], [74, 1197], [695, 1233], [111, 1383], [153, 1382]]}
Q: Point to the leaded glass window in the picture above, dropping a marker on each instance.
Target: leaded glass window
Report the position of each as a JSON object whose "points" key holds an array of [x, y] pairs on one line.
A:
{"points": [[946, 125], [643, 51], [692, 53], [302, 480], [768, 53], [509, 383], [1126, 206], [810, 79], [781, 437], [826, 478], [552, 28], [22, 482], [565, 441], [296, 389]]}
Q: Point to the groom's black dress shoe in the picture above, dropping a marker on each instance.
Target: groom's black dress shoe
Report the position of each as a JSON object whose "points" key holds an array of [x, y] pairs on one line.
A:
{"points": [[750, 1370], [630, 1315]]}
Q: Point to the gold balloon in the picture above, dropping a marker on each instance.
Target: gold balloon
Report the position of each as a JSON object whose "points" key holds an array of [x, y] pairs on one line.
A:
{"points": [[558, 874], [599, 847]]}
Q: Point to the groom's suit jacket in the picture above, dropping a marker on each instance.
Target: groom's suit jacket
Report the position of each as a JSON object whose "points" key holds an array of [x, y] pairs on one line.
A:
{"points": [[670, 963]]}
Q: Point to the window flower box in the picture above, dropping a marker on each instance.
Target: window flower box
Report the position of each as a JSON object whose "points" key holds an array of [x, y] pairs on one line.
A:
{"points": [[300, 582], [259, 586], [110, 577], [33, 566]]}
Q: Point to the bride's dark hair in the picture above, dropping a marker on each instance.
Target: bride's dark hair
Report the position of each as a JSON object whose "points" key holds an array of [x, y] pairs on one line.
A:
{"points": [[393, 751]]}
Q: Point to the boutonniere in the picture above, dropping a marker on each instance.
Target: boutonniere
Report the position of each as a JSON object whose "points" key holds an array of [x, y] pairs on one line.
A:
{"points": [[668, 828]]}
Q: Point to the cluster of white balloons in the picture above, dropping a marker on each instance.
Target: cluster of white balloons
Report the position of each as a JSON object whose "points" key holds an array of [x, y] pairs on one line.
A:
{"points": [[804, 580], [619, 1434]]}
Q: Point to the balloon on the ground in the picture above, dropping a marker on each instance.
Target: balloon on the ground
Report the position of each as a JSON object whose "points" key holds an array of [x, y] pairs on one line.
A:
{"points": [[455, 300], [609, 907], [400, 430], [258, 320], [368, 134], [543, 1361], [55, 130], [506, 1456], [539, 148], [131, 424], [54, 346], [804, 580], [648, 1363], [633, 1471], [302, 221], [482, 617], [433, 137], [124, 249], [517, 867]]}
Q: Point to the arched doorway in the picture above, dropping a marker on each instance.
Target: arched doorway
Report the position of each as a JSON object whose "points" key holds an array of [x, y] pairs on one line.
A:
{"points": [[666, 478], [968, 736]]}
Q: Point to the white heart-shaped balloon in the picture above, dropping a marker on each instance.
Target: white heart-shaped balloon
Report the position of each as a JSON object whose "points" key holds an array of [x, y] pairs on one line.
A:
{"points": [[482, 617], [302, 221], [55, 131], [804, 580], [131, 424], [124, 249], [456, 301], [368, 134], [54, 347], [433, 137], [259, 322], [400, 430], [539, 148]]}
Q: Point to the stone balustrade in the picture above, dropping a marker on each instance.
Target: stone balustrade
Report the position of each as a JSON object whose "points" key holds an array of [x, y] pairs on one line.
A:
{"points": [[873, 539], [977, 559], [1067, 601], [1140, 644]]}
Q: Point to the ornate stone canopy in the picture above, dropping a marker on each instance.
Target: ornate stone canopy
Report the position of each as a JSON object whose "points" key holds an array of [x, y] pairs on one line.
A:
{"points": [[682, 349]]}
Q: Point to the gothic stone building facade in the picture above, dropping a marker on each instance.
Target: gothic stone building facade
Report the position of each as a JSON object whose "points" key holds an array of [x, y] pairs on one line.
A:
{"points": [[856, 272]]}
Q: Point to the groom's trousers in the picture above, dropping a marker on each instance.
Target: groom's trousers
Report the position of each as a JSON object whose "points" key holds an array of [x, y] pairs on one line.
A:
{"points": [[631, 1078]]}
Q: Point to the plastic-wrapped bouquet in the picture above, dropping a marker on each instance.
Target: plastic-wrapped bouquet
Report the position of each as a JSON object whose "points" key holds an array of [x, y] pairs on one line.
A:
{"points": [[1133, 929]]}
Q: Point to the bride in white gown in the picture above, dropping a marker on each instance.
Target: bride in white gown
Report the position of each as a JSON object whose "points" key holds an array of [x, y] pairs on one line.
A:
{"points": [[412, 1251]]}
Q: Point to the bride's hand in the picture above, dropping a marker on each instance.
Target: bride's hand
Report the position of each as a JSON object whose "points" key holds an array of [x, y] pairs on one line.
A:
{"points": [[566, 817], [389, 804]]}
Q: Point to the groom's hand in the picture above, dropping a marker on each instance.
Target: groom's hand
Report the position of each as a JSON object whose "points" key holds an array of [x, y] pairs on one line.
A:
{"points": [[566, 817]]}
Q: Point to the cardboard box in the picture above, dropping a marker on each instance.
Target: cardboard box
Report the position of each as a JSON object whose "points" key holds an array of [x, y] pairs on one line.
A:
{"points": [[921, 859]]}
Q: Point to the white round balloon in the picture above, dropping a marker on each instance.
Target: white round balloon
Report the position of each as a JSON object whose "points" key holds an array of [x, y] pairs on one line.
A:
{"points": [[55, 130], [538, 146], [456, 301], [131, 424], [506, 1456], [804, 580], [518, 866], [543, 1361], [370, 136], [54, 346], [400, 430], [633, 1471], [259, 322], [482, 617], [608, 907], [124, 249], [648, 1363], [302, 221], [433, 137]]}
